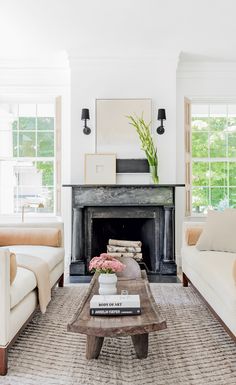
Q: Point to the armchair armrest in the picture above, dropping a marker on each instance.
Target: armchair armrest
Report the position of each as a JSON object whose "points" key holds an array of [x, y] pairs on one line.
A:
{"points": [[4, 296]]}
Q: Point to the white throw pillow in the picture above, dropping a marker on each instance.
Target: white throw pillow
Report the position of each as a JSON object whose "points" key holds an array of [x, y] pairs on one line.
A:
{"points": [[219, 232]]}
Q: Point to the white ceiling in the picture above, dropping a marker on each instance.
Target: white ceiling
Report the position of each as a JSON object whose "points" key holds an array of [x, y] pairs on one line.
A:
{"points": [[202, 29]]}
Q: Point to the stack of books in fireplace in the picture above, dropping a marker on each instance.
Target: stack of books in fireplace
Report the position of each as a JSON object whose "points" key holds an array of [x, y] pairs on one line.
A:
{"points": [[120, 248], [112, 305]]}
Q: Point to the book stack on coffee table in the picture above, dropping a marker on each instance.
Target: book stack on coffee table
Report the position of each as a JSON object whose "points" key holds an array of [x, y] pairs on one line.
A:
{"points": [[112, 305]]}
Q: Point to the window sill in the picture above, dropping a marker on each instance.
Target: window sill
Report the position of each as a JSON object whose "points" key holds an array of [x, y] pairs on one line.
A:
{"points": [[195, 218]]}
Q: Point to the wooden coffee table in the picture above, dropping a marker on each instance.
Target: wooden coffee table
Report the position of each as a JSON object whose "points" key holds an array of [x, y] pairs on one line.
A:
{"points": [[138, 327]]}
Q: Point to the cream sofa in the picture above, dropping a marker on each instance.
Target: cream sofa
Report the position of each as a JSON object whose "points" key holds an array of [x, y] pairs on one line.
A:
{"points": [[212, 274], [19, 300]]}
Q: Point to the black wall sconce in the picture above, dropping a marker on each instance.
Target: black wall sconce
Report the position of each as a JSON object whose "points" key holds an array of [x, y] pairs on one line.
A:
{"points": [[85, 116], [161, 116]]}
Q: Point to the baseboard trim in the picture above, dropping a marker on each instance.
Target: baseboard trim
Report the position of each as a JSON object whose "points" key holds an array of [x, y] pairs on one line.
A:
{"points": [[186, 280]]}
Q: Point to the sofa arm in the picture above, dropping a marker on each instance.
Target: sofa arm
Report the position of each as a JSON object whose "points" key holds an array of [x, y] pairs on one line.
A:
{"points": [[188, 225], [4, 296]]}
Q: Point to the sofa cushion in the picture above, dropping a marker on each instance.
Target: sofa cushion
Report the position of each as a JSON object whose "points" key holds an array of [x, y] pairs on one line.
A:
{"points": [[219, 232], [216, 269], [51, 255], [23, 284], [30, 236]]}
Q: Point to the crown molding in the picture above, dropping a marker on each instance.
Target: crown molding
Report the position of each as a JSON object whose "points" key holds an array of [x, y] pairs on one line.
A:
{"points": [[77, 60], [206, 69], [56, 61]]}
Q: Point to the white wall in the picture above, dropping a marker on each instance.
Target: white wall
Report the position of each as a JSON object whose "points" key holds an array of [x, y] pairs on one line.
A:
{"points": [[153, 78]]}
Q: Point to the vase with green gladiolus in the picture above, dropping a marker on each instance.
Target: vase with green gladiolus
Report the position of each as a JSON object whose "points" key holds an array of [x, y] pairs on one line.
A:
{"points": [[144, 132]]}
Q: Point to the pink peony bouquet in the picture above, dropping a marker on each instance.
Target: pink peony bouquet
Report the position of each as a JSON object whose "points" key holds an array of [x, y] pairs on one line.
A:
{"points": [[106, 264]]}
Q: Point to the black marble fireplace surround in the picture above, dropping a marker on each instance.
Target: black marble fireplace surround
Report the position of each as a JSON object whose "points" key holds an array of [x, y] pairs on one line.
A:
{"points": [[131, 212]]}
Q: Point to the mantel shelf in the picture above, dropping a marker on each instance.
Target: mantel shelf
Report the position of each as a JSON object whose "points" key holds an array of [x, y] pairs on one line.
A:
{"points": [[123, 185]]}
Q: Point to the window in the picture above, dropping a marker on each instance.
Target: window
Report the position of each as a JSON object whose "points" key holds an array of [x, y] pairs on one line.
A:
{"points": [[27, 157], [213, 156]]}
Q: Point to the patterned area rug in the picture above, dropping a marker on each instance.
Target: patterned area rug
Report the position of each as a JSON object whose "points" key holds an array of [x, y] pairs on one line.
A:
{"points": [[194, 349]]}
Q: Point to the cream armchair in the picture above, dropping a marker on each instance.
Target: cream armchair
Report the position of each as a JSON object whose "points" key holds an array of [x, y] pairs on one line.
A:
{"points": [[19, 300]]}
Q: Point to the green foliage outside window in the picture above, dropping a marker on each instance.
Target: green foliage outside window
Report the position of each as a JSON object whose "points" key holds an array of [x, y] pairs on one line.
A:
{"points": [[213, 163]]}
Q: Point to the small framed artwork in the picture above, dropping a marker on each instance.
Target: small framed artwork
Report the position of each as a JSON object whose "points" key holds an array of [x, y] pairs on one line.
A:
{"points": [[100, 168]]}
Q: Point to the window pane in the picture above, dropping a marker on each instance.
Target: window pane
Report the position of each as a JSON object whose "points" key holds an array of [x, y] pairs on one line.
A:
{"points": [[15, 125], [27, 145], [8, 113], [219, 198], [217, 145], [232, 145], [46, 170], [218, 173], [231, 126], [217, 124], [47, 194], [200, 173], [45, 144], [200, 124], [232, 173], [6, 143], [232, 197], [24, 183], [45, 123], [27, 123], [15, 143], [27, 196], [199, 145], [200, 199]]}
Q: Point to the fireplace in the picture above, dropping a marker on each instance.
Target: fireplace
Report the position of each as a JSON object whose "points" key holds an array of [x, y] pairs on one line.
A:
{"points": [[126, 223], [126, 212]]}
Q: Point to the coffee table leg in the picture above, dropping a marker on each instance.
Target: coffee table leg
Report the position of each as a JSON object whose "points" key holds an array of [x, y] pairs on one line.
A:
{"points": [[93, 347], [140, 342]]}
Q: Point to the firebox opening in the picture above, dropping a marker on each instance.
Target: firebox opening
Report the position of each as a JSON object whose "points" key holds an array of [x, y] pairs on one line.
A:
{"points": [[130, 229]]}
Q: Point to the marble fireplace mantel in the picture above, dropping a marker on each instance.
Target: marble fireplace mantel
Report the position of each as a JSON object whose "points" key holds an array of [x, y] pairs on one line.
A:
{"points": [[87, 204]]}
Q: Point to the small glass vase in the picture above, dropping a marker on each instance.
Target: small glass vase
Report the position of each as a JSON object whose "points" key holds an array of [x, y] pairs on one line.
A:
{"points": [[154, 176], [107, 284]]}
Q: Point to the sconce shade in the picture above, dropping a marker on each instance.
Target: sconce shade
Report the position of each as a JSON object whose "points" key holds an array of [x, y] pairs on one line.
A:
{"points": [[161, 114], [85, 114]]}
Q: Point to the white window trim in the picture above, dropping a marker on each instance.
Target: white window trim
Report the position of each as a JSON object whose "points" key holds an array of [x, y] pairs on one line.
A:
{"points": [[56, 215], [188, 101]]}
